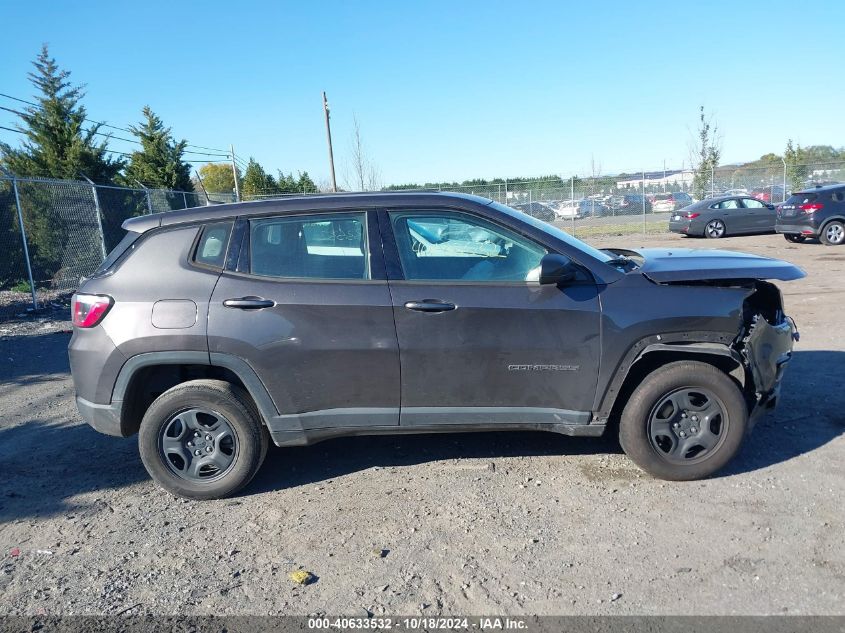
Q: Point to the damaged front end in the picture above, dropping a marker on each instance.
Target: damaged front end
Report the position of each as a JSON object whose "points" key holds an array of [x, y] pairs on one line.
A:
{"points": [[765, 345]]}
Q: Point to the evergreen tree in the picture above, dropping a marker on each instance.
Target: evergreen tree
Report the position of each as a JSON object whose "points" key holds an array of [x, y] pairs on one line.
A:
{"points": [[256, 181], [58, 145], [305, 184], [159, 163]]}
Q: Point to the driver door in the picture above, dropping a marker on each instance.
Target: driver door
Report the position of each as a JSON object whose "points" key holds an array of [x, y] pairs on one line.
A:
{"points": [[480, 340]]}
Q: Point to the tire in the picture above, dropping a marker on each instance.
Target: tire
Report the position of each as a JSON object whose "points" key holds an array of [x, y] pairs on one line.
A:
{"points": [[213, 418], [832, 234], [795, 238], [648, 432], [715, 229]]}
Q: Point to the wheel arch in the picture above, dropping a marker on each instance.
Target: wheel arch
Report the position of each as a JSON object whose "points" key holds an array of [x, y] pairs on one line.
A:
{"points": [[146, 376], [645, 357], [833, 218]]}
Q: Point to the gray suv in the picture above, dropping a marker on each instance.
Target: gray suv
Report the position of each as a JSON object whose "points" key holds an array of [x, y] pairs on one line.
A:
{"points": [[211, 331]]}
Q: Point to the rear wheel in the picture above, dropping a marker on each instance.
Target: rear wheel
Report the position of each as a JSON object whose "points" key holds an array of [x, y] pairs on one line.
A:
{"points": [[833, 234], [714, 229], [685, 421], [203, 439], [795, 238]]}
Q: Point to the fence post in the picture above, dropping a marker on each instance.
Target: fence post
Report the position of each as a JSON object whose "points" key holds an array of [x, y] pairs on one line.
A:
{"points": [[97, 211], [643, 201], [147, 194], [25, 246], [783, 160], [185, 200]]}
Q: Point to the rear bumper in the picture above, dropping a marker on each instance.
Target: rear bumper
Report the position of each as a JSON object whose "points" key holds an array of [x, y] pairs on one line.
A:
{"points": [[802, 228], [680, 226], [104, 418]]}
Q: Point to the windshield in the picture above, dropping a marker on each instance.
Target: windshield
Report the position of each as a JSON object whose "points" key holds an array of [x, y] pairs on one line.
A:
{"points": [[552, 230]]}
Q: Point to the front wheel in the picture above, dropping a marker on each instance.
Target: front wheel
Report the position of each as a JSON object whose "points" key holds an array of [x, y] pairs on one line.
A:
{"points": [[833, 234], [795, 238], [202, 439], [685, 421], [714, 229]]}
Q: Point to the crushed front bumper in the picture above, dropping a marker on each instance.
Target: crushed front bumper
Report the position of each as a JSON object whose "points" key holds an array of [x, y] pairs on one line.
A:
{"points": [[767, 351]]}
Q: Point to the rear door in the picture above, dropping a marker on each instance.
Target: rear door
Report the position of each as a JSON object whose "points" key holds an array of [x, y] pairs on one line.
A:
{"points": [[307, 306], [481, 341]]}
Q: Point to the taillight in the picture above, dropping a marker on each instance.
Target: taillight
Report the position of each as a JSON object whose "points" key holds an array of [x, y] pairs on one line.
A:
{"points": [[89, 310], [692, 216], [812, 207]]}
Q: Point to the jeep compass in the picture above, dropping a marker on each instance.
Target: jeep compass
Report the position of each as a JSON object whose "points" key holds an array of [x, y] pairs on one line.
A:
{"points": [[212, 331]]}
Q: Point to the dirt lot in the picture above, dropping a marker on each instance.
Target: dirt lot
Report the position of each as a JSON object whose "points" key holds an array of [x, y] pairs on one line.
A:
{"points": [[486, 523]]}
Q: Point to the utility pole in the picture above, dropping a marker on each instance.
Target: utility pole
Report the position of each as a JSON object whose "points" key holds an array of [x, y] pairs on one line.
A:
{"points": [[329, 139], [235, 175]]}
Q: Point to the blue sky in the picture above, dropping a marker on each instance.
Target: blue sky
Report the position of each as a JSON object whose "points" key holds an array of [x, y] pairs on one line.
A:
{"points": [[449, 90]]}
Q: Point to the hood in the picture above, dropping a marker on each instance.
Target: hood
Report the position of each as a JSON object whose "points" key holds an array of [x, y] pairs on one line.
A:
{"points": [[667, 265]]}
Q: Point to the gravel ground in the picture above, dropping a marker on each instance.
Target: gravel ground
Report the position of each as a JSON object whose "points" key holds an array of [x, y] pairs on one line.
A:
{"points": [[511, 523]]}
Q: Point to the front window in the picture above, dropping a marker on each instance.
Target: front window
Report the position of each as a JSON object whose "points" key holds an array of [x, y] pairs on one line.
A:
{"points": [[751, 203], [443, 245]]}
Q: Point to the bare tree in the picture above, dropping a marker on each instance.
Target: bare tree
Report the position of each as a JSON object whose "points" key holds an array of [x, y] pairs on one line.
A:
{"points": [[705, 150], [366, 174]]}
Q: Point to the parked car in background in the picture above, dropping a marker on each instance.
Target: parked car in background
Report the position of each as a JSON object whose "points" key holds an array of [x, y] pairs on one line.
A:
{"points": [[773, 194], [728, 215], [674, 201], [539, 210], [629, 204], [567, 210], [213, 331], [814, 213], [582, 208]]}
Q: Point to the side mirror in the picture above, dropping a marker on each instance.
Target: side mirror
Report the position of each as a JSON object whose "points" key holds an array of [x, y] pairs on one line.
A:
{"points": [[555, 269], [771, 207]]}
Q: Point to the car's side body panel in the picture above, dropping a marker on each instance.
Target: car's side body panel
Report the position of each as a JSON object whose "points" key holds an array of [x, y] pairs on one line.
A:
{"points": [[326, 357]]}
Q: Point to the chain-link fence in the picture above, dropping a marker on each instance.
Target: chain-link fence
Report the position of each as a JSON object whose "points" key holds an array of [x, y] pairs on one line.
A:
{"points": [[52, 232], [641, 202]]}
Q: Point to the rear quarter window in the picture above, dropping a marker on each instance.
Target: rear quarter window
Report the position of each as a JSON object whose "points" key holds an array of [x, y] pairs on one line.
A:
{"points": [[212, 245]]}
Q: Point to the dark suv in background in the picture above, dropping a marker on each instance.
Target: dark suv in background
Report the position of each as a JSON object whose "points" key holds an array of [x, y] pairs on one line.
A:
{"points": [[212, 331], [814, 213]]}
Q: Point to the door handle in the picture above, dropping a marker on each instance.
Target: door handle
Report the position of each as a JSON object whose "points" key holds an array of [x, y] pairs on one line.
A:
{"points": [[249, 303], [430, 305]]}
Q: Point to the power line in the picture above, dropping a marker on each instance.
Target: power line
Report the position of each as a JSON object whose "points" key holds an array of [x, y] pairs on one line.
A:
{"points": [[117, 138], [108, 125]]}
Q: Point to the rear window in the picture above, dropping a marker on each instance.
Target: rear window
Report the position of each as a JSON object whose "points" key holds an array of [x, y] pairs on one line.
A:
{"points": [[800, 198], [212, 246], [117, 252]]}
